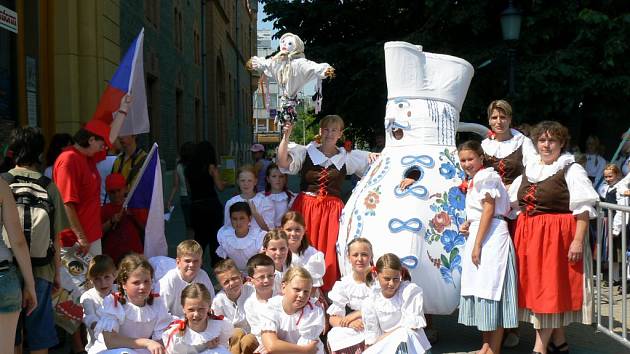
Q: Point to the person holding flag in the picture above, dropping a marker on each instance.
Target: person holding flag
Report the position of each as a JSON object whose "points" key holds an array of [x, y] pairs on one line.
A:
{"points": [[79, 182]]}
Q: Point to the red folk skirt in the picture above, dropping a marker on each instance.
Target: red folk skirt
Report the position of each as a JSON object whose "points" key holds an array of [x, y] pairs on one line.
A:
{"points": [[547, 282], [322, 227]]}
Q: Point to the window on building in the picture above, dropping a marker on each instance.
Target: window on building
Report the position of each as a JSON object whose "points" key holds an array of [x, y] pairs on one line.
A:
{"points": [[177, 28], [153, 104], [197, 47], [179, 116]]}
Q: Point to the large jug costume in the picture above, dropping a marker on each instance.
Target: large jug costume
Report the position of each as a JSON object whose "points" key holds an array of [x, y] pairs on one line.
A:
{"points": [[421, 223]]}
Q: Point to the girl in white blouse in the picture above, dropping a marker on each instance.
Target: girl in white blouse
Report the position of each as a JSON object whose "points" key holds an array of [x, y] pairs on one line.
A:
{"points": [[292, 323], [392, 316], [302, 253], [347, 335], [276, 246], [200, 331], [262, 209], [277, 193], [133, 320], [488, 283]]}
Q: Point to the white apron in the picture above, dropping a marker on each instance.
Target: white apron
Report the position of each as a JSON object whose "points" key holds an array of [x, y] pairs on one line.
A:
{"points": [[486, 281]]}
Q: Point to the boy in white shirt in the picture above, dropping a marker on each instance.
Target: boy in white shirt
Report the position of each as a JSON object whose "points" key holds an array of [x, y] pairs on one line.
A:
{"points": [[261, 271], [101, 273], [188, 271], [230, 303]]}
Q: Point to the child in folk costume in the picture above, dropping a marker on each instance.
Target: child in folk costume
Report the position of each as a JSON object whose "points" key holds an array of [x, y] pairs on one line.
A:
{"points": [[347, 335], [133, 320], [261, 271], [323, 168], [291, 322], [488, 284], [276, 246], [302, 253], [261, 209], [392, 315], [277, 193], [102, 274], [239, 241], [199, 332], [187, 271], [230, 303]]}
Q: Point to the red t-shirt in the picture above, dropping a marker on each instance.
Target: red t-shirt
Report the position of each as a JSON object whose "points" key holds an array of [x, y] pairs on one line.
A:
{"points": [[127, 235], [79, 183]]}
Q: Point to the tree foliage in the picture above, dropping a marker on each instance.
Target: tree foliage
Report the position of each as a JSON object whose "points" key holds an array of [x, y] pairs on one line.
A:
{"points": [[571, 59]]}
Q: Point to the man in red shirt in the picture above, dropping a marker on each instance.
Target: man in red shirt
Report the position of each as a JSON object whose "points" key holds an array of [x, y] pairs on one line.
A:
{"points": [[79, 182]]}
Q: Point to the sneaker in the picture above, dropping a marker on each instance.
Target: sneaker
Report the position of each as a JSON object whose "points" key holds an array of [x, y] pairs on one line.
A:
{"points": [[511, 340]]}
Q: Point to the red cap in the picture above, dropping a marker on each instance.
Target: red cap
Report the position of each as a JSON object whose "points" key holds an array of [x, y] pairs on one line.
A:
{"points": [[115, 181], [101, 129]]}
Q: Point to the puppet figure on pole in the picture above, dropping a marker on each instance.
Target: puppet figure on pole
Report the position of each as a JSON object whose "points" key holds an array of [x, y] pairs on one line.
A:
{"points": [[292, 71]]}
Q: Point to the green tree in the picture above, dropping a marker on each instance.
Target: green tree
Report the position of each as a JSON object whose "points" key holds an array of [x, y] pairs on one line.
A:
{"points": [[571, 58]]}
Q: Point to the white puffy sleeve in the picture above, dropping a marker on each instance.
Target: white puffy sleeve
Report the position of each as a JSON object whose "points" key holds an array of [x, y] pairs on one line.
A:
{"points": [[357, 162], [163, 320], [412, 313], [310, 70], [370, 321], [90, 307], [269, 318], [261, 64], [297, 153], [311, 325], [582, 195], [529, 151], [488, 183], [339, 299], [222, 234], [621, 200], [316, 265], [112, 315]]}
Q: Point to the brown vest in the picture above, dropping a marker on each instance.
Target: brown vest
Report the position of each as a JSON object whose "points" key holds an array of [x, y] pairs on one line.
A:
{"points": [[550, 196], [321, 181], [508, 167]]}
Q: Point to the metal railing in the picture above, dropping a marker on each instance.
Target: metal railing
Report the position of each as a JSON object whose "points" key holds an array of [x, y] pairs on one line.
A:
{"points": [[605, 216]]}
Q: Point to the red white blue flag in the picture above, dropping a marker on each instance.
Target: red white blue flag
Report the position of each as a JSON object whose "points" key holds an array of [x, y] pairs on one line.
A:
{"points": [[128, 79], [146, 193]]}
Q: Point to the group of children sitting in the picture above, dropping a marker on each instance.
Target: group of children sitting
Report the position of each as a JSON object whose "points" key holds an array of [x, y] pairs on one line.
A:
{"points": [[273, 308]]}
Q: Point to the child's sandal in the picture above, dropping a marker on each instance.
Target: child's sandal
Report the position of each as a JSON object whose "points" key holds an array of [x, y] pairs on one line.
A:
{"points": [[560, 349]]}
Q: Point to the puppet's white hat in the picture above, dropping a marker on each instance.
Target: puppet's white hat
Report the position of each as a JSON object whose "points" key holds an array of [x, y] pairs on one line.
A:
{"points": [[412, 73]]}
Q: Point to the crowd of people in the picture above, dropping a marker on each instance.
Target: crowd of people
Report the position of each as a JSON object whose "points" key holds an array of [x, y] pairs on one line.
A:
{"points": [[276, 285]]}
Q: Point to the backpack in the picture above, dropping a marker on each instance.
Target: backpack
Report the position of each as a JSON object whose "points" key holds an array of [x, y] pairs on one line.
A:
{"points": [[36, 212]]}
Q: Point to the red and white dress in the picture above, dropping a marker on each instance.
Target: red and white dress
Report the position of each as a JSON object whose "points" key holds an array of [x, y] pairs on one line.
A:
{"points": [[551, 291], [319, 200]]}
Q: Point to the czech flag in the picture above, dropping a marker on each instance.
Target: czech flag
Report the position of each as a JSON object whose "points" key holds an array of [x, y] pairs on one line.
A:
{"points": [[146, 193], [128, 79]]}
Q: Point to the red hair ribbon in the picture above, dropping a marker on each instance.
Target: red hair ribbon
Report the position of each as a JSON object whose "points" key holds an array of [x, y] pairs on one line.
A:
{"points": [[464, 186], [212, 316], [180, 327], [347, 145], [117, 296], [373, 269], [491, 135], [154, 295]]}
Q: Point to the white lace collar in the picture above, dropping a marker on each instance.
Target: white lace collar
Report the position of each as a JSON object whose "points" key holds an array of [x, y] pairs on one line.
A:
{"points": [[320, 159], [278, 197], [501, 149], [537, 171], [359, 290], [389, 305]]}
